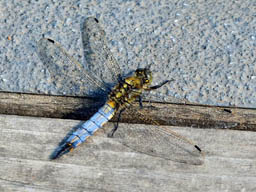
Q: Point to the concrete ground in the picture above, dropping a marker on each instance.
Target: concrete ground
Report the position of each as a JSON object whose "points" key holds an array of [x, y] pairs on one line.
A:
{"points": [[208, 47]]}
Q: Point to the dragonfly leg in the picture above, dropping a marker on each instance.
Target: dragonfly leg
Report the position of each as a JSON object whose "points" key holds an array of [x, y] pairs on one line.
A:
{"points": [[111, 134], [160, 85], [140, 101], [149, 106]]}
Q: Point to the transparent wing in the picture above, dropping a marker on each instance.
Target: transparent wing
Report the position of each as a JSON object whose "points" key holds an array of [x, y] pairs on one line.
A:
{"points": [[97, 54], [153, 96], [160, 141], [67, 74]]}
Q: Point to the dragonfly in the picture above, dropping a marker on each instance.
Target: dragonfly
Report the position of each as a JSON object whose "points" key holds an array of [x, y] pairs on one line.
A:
{"points": [[118, 91]]}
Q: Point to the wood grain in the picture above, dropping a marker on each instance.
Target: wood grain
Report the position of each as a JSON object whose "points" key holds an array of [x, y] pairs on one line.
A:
{"points": [[165, 113], [103, 164]]}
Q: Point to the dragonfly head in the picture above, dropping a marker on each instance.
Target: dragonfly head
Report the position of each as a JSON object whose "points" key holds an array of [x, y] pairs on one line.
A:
{"points": [[145, 75]]}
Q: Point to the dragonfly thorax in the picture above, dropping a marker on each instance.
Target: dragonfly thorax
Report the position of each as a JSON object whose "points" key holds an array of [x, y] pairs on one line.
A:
{"points": [[125, 92]]}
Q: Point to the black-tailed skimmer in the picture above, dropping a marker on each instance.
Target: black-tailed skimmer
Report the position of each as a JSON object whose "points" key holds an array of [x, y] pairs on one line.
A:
{"points": [[117, 93]]}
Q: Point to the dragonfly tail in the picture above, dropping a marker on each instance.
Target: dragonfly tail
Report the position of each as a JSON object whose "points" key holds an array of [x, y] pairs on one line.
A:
{"points": [[65, 148]]}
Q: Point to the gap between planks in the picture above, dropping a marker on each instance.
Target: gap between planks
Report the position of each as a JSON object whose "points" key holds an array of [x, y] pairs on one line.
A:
{"points": [[173, 114]]}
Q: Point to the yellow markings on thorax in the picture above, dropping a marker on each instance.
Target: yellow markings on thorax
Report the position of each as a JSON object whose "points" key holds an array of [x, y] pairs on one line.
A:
{"points": [[120, 92], [133, 81], [126, 92], [112, 104]]}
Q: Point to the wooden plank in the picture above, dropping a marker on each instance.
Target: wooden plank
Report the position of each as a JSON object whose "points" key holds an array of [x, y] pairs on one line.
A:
{"points": [[103, 164], [165, 113]]}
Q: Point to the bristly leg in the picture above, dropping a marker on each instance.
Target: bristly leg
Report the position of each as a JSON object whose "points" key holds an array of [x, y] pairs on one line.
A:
{"points": [[160, 85], [111, 134]]}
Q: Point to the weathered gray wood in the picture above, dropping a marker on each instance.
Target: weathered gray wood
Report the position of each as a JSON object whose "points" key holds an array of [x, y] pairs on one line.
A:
{"points": [[46, 105], [103, 164], [165, 114]]}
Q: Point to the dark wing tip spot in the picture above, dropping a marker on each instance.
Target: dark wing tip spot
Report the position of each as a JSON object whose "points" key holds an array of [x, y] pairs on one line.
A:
{"points": [[228, 110], [51, 40], [198, 148], [97, 21]]}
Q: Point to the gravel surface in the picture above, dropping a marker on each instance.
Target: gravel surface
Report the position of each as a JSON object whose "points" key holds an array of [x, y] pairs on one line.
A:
{"points": [[208, 47]]}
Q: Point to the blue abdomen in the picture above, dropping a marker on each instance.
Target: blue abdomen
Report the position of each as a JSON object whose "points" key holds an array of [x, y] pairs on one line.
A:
{"points": [[88, 128]]}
